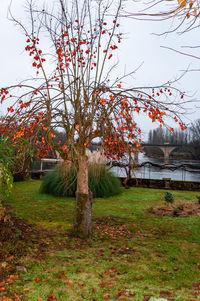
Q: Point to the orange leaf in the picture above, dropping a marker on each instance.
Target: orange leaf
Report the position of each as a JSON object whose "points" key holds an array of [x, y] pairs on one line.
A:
{"points": [[5, 219], [183, 3], [110, 285], [10, 258], [52, 297], [69, 282], [37, 279], [106, 296]]}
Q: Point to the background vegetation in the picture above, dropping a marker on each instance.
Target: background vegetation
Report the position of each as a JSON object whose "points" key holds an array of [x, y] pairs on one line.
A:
{"points": [[188, 140]]}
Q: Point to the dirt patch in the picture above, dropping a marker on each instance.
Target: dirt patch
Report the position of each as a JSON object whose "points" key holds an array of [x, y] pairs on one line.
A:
{"points": [[111, 227], [166, 295], [18, 238], [182, 209], [15, 235], [196, 287]]}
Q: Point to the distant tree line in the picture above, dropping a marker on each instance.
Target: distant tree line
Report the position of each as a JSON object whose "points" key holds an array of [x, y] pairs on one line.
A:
{"points": [[195, 138], [163, 135], [188, 139]]}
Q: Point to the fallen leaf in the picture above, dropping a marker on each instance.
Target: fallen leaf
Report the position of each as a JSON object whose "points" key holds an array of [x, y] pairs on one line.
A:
{"points": [[103, 284], [69, 282], [106, 296], [37, 279], [16, 298], [13, 277], [81, 285], [62, 276], [52, 297], [132, 294], [5, 219], [10, 258], [110, 285]]}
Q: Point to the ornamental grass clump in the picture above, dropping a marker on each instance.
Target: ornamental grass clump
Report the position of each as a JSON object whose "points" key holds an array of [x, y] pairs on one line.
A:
{"points": [[62, 181], [169, 197], [102, 181]]}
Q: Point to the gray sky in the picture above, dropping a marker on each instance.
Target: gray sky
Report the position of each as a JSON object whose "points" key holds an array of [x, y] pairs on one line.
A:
{"points": [[140, 46]]}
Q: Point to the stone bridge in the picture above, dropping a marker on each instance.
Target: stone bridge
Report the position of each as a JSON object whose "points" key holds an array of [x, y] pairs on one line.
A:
{"points": [[167, 149]]}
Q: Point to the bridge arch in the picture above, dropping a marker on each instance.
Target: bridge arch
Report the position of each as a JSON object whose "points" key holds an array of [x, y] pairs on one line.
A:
{"points": [[167, 150]]}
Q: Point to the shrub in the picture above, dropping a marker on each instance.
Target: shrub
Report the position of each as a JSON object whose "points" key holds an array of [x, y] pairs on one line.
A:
{"points": [[6, 178], [62, 181], [169, 197], [6, 181]]}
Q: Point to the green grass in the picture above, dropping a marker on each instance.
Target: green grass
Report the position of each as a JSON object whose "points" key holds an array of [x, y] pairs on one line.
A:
{"points": [[132, 254]]}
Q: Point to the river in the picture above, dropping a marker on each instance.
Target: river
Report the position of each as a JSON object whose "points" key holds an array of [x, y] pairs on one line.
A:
{"points": [[152, 172]]}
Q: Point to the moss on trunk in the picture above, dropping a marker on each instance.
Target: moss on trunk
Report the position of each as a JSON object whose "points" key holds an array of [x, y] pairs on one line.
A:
{"points": [[83, 215], [83, 211]]}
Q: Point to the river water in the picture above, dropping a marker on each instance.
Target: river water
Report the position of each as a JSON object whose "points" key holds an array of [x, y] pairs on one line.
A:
{"points": [[152, 172]]}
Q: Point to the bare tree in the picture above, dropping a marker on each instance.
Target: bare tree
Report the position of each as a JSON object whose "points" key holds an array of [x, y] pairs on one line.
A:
{"points": [[74, 88]]}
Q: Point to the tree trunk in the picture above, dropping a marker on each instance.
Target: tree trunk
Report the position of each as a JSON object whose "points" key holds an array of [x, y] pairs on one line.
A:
{"points": [[83, 210], [126, 181]]}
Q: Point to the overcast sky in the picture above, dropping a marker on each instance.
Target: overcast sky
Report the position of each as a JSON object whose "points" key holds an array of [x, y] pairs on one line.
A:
{"points": [[140, 46]]}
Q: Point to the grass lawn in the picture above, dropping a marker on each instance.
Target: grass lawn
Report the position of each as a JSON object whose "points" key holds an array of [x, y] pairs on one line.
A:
{"points": [[133, 254]]}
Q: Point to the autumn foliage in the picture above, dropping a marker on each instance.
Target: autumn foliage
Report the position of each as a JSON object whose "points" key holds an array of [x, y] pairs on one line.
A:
{"points": [[81, 53], [26, 142], [81, 94]]}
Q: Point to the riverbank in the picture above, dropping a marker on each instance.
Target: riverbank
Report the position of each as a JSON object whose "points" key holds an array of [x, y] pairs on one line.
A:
{"points": [[154, 168], [165, 183], [172, 157]]}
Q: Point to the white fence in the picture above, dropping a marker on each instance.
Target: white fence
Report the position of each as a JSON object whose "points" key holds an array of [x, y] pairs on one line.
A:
{"points": [[48, 160]]}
